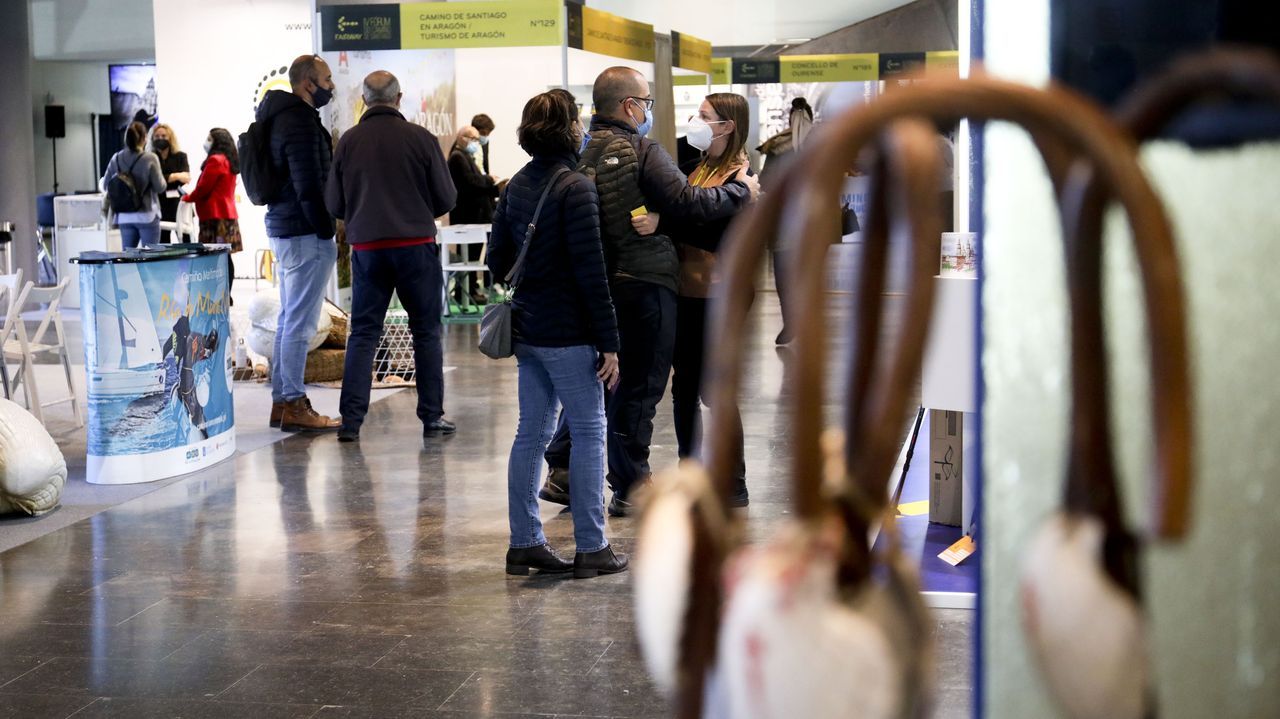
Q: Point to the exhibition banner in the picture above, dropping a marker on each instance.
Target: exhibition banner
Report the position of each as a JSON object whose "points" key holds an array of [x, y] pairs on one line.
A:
{"points": [[608, 34], [898, 64], [829, 68], [440, 25], [158, 370], [690, 53], [756, 71]]}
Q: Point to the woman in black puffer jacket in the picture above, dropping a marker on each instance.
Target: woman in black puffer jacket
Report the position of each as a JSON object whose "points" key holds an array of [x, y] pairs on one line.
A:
{"points": [[564, 333]]}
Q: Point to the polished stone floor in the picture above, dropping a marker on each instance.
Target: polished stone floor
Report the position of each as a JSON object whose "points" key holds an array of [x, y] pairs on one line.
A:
{"points": [[312, 579]]}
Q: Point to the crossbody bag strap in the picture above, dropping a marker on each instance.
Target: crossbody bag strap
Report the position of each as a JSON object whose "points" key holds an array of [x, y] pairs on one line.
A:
{"points": [[517, 270]]}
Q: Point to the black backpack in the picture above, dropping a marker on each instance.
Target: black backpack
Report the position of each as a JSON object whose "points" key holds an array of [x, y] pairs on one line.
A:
{"points": [[262, 179], [122, 189]]}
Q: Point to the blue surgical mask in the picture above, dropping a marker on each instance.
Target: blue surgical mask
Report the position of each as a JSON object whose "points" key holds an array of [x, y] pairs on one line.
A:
{"points": [[484, 139], [473, 147], [647, 125], [586, 140]]}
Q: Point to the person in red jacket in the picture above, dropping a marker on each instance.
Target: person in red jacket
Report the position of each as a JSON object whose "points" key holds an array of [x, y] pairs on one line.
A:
{"points": [[215, 195]]}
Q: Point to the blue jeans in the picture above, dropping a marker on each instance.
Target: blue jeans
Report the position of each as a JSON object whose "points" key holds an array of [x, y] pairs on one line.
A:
{"points": [[305, 264], [413, 273], [569, 374], [133, 234]]}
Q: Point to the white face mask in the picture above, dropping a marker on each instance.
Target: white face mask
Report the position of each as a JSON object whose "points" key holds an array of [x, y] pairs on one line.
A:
{"points": [[208, 145], [700, 134]]}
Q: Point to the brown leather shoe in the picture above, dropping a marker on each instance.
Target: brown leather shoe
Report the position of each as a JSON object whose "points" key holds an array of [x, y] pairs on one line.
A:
{"points": [[277, 411], [298, 416]]}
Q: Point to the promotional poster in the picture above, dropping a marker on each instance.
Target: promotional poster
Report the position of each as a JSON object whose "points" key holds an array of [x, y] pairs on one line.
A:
{"points": [[158, 366]]}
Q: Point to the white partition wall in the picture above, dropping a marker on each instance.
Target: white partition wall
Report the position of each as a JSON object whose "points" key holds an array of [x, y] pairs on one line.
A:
{"points": [[214, 61]]}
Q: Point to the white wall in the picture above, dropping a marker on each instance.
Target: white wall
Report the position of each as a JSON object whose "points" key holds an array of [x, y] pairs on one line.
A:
{"points": [[115, 30], [198, 91], [498, 82], [81, 87]]}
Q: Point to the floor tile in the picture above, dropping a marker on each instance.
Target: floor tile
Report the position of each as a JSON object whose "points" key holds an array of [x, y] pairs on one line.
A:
{"points": [[126, 641], [40, 706], [127, 678], [113, 708], [325, 648], [343, 686], [14, 665], [609, 695], [533, 656], [219, 613]]}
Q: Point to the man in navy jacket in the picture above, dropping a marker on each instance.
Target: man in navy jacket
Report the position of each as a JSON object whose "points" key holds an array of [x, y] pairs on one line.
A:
{"points": [[389, 181], [301, 234]]}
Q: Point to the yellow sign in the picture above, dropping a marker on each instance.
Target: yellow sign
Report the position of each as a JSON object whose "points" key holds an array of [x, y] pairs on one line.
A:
{"points": [[720, 68], [829, 68], [945, 63], [608, 34], [691, 53], [512, 23], [683, 80]]}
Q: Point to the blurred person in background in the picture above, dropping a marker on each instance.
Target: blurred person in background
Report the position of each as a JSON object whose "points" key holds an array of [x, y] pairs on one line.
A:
{"points": [[140, 226], [477, 193], [484, 127], [215, 195], [176, 171]]}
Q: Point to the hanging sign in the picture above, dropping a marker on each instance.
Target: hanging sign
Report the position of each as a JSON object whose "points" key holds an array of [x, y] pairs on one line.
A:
{"points": [[686, 80], [900, 64], [829, 68], [942, 64], [608, 34], [721, 68], [511, 23], [360, 27], [756, 71], [435, 25], [690, 53]]}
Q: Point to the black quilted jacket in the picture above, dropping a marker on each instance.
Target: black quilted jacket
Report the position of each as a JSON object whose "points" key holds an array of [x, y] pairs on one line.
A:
{"points": [[663, 188], [302, 149], [563, 299]]}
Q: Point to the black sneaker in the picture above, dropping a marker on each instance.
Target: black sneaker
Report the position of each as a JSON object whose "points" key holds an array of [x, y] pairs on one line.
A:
{"points": [[542, 558], [347, 434], [440, 426], [593, 564], [740, 497]]}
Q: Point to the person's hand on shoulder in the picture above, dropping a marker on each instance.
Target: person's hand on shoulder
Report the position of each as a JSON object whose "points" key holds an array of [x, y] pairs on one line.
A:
{"points": [[645, 224]]}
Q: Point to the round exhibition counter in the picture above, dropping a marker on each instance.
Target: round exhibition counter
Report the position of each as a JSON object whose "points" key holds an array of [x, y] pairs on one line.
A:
{"points": [[156, 333]]}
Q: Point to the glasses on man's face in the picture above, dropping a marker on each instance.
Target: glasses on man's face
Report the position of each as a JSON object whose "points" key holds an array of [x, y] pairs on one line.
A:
{"points": [[646, 102]]}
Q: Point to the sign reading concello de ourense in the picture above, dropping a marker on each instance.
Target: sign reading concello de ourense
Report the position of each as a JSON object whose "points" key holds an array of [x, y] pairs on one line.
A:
{"points": [[440, 25], [608, 34]]}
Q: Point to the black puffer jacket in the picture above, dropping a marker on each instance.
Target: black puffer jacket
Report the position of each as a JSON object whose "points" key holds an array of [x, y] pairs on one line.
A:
{"points": [[302, 149], [665, 190], [563, 300]]}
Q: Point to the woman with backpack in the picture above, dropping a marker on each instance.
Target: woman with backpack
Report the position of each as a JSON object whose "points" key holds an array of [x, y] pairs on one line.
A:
{"points": [[133, 183]]}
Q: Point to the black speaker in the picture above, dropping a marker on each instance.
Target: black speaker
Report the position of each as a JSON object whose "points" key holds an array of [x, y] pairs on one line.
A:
{"points": [[55, 121]]}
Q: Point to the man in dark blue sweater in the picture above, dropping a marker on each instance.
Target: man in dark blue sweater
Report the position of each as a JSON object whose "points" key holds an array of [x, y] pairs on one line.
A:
{"points": [[389, 181]]}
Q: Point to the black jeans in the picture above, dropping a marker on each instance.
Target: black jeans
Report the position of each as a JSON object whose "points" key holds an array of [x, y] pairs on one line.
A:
{"points": [[686, 383], [647, 334], [413, 273]]}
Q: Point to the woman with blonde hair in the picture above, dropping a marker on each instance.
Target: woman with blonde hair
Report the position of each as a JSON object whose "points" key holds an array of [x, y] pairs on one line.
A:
{"points": [[720, 131], [176, 170]]}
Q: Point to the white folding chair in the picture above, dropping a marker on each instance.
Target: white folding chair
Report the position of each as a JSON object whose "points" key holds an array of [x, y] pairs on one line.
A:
{"points": [[11, 292], [27, 347]]}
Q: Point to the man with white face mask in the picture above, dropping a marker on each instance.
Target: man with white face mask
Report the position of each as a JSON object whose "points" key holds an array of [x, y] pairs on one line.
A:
{"points": [[637, 180]]}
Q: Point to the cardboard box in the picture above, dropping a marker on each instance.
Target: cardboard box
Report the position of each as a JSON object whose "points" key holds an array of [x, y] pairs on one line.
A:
{"points": [[946, 459]]}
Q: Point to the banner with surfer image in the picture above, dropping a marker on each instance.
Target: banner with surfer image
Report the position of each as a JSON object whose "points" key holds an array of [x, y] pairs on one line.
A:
{"points": [[158, 365]]}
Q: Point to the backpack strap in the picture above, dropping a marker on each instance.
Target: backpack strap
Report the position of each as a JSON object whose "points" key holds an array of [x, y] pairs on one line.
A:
{"points": [[517, 270]]}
